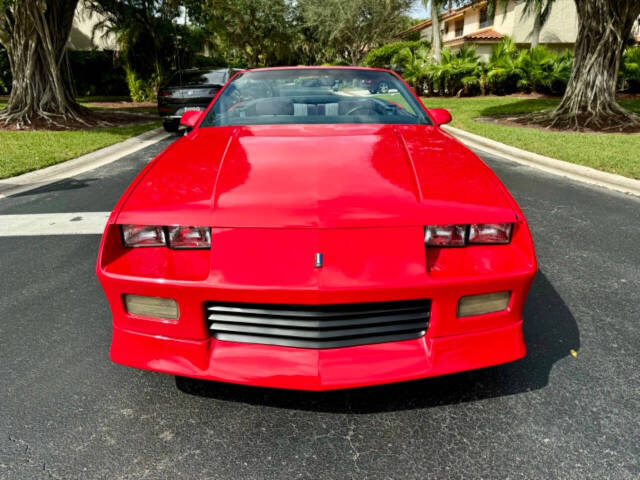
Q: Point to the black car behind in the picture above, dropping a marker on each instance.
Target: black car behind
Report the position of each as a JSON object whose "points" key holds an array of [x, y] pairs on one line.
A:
{"points": [[189, 90]]}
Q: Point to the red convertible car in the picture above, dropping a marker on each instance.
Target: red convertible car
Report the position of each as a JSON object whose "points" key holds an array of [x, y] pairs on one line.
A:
{"points": [[308, 234]]}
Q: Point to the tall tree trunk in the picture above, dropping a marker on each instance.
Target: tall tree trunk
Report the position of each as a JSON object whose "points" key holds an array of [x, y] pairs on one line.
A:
{"points": [[537, 28], [35, 34], [590, 98], [435, 30]]}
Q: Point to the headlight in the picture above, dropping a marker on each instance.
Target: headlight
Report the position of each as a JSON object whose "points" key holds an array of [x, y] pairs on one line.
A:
{"points": [[445, 235], [143, 236], [490, 233], [189, 237], [460, 235], [177, 236]]}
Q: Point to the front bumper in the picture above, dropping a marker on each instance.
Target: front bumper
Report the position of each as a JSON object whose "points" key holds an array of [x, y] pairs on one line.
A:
{"points": [[305, 369], [358, 272]]}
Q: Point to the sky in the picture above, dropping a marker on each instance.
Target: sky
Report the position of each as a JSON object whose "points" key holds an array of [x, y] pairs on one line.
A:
{"points": [[418, 10]]}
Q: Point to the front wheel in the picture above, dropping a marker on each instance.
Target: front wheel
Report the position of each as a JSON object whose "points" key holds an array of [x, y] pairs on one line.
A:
{"points": [[171, 126]]}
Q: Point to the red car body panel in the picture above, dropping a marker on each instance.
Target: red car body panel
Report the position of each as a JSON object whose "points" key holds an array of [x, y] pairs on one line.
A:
{"points": [[275, 195], [317, 176]]}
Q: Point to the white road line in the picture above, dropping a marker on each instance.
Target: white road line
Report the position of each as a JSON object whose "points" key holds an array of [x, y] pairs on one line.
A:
{"points": [[77, 223]]}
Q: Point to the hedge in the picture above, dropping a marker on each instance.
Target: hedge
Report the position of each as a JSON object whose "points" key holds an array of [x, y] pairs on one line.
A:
{"points": [[5, 72]]}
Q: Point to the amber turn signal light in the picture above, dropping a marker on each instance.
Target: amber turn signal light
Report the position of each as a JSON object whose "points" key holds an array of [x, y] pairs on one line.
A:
{"points": [[481, 304], [156, 307]]}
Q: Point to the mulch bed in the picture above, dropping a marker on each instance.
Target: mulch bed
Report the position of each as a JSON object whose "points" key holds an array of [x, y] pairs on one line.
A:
{"points": [[97, 119], [120, 105], [524, 121]]}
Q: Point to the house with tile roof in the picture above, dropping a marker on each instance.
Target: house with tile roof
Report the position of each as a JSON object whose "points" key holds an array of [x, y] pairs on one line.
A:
{"points": [[472, 25]]}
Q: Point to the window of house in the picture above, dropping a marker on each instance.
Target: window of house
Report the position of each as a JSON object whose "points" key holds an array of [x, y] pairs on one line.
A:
{"points": [[459, 28], [485, 19], [446, 27]]}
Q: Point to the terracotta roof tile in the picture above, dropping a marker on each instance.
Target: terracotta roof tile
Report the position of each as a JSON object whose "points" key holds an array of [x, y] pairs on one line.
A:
{"points": [[488, 34]]}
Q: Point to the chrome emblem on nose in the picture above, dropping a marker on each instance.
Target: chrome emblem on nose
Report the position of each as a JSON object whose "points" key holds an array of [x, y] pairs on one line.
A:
{"points": [[318, 263]]}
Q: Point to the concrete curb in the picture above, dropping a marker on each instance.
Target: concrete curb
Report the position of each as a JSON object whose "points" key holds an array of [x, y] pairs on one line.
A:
{"points": [[38, 178], [548, 164]]}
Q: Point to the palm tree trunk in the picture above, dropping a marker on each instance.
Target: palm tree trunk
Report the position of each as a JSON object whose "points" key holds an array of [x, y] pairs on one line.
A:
{"points": [[435, 31], [537, 28], [35, 34]]}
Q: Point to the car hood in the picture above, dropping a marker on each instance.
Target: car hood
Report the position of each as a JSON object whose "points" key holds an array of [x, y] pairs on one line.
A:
{"points": [[317, 176]]}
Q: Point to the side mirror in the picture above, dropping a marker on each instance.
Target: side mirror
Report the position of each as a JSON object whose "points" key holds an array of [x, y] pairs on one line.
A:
{"points": [[440, 115], [190, 119]]}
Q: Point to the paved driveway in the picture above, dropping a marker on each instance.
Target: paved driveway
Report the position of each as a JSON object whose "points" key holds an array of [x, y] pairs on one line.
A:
{"points": [[67, 412]]}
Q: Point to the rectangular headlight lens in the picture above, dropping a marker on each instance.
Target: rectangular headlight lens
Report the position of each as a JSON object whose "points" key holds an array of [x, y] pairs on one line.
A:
{"points": [[143, 236], [156, 307], [445, 235], [481, 304], [490, 233], [189, 237]]}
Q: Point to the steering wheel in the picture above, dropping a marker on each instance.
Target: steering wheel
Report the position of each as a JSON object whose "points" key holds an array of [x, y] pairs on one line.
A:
{"points": [[358, 107]]}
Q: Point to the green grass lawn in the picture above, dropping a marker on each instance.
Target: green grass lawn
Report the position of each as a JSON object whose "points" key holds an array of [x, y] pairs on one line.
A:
{"points": [[615, 153], [25, 151]]}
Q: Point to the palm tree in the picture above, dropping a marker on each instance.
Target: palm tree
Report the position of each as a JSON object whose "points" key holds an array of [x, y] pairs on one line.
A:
{"points": [[414, 63], [504, 67], [435, 6], [457, 72]]}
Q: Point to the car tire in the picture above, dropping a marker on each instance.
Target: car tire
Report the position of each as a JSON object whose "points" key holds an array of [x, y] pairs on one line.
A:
{"points": [[383, 87], [171, 127]]}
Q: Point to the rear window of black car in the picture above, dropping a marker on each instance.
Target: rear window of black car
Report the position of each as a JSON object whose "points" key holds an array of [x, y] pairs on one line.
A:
{"points": [[214, 77]]}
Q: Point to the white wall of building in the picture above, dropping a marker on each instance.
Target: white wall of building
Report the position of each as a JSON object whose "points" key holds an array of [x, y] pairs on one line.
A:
{"points": [[82, 31], [561, 28]]}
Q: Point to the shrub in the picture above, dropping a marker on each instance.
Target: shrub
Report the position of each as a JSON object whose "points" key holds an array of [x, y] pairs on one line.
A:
{"points": [[458, 73], [94, 73], [141, 89], [413, 65], [200, 61], [630, 70], [5, 72], [504, 71], [382, 57], [539, 70], [544, 71]]}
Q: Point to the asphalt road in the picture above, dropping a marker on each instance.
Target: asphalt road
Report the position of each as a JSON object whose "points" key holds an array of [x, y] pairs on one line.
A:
{"points": [[67, 412]]}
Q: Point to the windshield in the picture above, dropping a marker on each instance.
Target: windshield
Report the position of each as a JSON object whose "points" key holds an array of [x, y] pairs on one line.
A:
{"points": [[185, 78], [315, 95]]}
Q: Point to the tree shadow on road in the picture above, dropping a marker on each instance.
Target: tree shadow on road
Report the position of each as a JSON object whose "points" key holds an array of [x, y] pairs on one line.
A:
{"points": [[550, 333], [60, 185]]}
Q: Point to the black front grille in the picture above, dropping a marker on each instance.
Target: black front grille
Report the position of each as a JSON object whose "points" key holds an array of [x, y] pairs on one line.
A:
{"points": [[318, 326]]}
